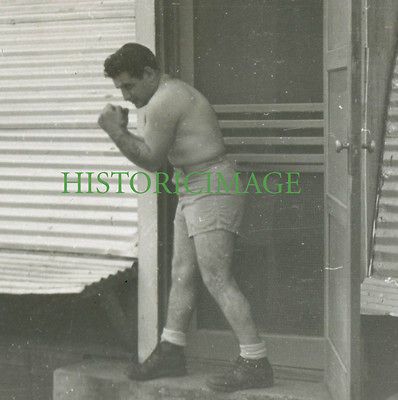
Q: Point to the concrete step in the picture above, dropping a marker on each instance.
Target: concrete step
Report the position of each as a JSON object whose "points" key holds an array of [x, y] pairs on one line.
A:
{"points": [[105, 380]]}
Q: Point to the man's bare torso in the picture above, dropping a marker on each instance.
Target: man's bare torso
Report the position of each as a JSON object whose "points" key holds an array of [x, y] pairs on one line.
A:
{"points": [[197, 135]]}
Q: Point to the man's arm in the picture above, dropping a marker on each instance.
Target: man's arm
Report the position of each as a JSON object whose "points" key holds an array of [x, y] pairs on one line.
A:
{"points": [[135, 149], [150, 151]]}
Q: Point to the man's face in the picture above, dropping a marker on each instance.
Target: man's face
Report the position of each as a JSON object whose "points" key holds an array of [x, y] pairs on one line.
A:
{"points": [[137, 91]]}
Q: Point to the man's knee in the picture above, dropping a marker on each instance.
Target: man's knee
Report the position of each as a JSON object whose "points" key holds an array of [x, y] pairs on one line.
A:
{"points": [[183, 273], [215, 281], [214, 248]]}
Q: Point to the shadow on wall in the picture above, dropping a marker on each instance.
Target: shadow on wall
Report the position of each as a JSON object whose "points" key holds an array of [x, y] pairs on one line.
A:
{"points": [[381, 357], [39, 334], [76, 319]]}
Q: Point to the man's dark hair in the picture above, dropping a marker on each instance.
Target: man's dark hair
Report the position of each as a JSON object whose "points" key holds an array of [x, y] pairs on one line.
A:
{"points": [[131, 58]]}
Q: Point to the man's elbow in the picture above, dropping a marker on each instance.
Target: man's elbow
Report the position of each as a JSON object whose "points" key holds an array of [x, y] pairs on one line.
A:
{"points": [[147, 163], [154, 165], [152, 168]]}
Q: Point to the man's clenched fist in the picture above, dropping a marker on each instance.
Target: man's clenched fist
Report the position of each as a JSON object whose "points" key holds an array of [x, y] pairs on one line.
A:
{"points": [[113, 120]]}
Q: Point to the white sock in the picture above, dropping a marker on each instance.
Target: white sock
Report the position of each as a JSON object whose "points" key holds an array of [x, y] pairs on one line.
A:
{"points": [[175, 337], [253, 351]]}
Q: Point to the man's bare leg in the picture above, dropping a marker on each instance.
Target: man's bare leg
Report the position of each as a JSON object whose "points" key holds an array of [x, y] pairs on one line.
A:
{"points": [[252, 369], [184, 276], [214, 251], [168, 358]]}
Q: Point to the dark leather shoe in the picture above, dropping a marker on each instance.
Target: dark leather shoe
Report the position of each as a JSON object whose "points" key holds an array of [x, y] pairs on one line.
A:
{"points": [[166, 360], [245, 374]]}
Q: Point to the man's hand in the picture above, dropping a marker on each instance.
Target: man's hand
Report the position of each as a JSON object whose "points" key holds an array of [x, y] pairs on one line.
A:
{"points": [[113, 120]]}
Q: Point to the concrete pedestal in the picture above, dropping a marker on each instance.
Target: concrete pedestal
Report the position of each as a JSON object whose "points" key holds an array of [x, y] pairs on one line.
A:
{"points": [[104, 380]]}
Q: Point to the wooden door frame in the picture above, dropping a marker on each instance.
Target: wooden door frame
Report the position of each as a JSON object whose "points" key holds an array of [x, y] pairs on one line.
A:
{"points": [[356, 196], [367, 225], [149, 316], [154, 210], [348, 57], [149, 232]]}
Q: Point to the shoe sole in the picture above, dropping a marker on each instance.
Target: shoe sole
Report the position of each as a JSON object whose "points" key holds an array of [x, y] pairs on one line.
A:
{"points": [[227, 389], [167, 374]]}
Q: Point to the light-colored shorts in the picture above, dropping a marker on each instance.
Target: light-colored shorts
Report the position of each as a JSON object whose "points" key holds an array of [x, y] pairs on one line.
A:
{"points": [[199, 213]]}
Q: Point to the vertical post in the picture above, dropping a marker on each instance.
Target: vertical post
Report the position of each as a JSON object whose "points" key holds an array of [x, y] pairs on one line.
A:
{"points": [[148, 288], [185, 41], [355, 136]]}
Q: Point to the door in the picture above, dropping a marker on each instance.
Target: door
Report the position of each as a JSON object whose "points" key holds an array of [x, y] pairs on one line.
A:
{"points": [[261, 68], [342, 88]]}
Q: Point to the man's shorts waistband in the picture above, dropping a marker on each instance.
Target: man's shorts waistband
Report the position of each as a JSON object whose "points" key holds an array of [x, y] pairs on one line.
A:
{"points": [[187, 169]]}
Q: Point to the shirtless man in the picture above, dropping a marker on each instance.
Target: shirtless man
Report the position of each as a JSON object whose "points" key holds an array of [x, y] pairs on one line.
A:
{"points": [[181, 126]]}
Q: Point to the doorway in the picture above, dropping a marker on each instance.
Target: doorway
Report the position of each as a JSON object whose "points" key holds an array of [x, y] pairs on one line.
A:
{"points": [[260, 65]]}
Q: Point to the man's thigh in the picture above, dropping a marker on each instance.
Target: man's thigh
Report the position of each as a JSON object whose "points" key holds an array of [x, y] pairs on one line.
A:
{"points": [[213, 222], [184, 254], [214, 251]]}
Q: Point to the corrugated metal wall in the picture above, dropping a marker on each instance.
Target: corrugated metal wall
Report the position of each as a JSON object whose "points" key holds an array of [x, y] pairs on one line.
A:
{"points": [[379, 292], [52, 90], [385, 262]]}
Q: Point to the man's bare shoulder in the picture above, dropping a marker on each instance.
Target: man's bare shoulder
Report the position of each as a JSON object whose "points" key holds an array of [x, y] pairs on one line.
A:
{"points": [[172, 94], [175, 87]]}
